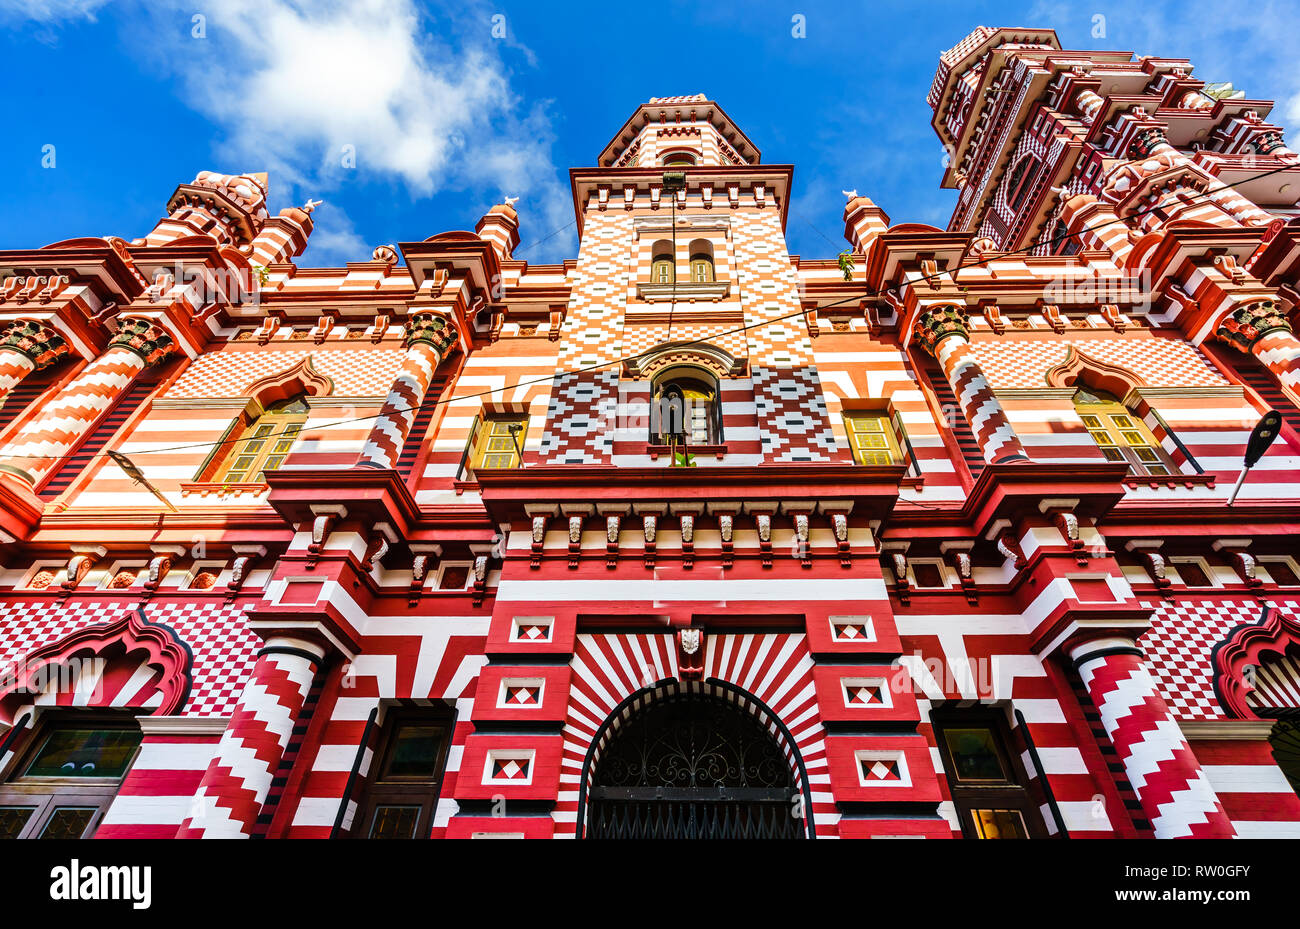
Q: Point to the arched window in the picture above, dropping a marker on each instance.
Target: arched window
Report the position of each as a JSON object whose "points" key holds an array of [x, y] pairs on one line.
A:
{"points": [[663, 269], [266, 443], [1119, 434], [679, 160], [1021, 180], [701, 262], [686, 409]]}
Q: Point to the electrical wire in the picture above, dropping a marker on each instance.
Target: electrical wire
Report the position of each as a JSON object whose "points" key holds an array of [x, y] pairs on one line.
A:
{"points": [[702, 340]]}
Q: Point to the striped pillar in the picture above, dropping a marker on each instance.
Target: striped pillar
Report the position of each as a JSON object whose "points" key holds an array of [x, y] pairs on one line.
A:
{"points": [[1262, 330], [428, 339], [238, 779], [863, 222], [1152, 143], [942, 330], [1088, 105], [1160, 765], [27, 346], [1096, 226], [41, 443], [500, 227], [281, 238]]}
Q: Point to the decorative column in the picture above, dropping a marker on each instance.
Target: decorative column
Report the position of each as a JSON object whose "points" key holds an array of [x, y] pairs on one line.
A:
{"points": [[942, 331], [41, 443], [27, 346], [428, 339], [1088, 104], [238, 778], [1151, 144], [500, 227], [1262, 330], [1160, 765]]}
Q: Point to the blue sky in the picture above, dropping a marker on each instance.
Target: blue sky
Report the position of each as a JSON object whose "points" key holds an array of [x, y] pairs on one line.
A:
{"points": [[444, 118]]}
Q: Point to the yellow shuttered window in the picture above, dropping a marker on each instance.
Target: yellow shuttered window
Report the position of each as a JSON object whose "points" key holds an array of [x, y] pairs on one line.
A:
{"points": [[266, 443], [499, 441], [1119, 434], [872, 439]]}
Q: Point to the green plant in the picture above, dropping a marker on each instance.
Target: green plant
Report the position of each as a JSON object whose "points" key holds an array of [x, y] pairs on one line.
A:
{"points": [[846, 264]]}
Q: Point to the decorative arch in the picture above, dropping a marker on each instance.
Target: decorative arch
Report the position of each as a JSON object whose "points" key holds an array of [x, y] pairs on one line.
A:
{"points": [[679, 157], [302, 378], [716, 361], [1081, 369], [145, 664], [1021, 179], [715, 687], [1255, 645]]}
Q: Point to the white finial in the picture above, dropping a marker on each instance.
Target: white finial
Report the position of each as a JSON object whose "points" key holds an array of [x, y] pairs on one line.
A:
{"points": [[510, 201], [850, 194], [311, 205]]}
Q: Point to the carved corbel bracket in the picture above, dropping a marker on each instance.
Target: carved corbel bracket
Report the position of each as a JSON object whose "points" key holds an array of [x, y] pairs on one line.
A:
{"points": [[377, 547], [161, 562], [690, 653], [322, 524], [763, 521], [1009, 546], [726, 528], [1068, 525], [650, 529], [613, 526], [84, 557], [480, 572], [840, 526], [957, 555], [245, 557], [688, 540], [575, 540], [902, 586], [538, 531]]}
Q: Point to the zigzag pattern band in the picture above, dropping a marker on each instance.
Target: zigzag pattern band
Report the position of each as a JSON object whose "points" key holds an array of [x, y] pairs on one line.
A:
{"points": [[14, 366], [1279, 350], [388, 435], [981, 408], [238, 779], [39, 445], [1164, 772]]}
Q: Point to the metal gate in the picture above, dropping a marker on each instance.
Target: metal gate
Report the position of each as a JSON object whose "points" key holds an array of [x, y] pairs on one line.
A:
{"points": [[693, 766]]}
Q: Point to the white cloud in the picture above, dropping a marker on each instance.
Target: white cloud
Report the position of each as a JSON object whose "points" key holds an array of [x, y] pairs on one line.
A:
{"points": [[334, 239], [334, 93], [49, 11]]}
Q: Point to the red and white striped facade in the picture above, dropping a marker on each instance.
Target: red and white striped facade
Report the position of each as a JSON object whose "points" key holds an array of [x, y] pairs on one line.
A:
{"points": [[263, 632]]}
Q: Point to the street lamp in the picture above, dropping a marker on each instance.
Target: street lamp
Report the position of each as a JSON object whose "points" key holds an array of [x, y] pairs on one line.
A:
{"points": [[1263, 436]]}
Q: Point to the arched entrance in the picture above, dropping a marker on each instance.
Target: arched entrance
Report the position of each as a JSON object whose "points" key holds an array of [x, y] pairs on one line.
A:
{"points": [[1285, 742], [694, 761]]}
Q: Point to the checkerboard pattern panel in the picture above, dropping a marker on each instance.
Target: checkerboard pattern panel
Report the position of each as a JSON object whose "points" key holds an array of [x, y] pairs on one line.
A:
{"points": [[792, 417], [581, 418], [362, 373], [217, 634], [640, 339], [1179, 644], [769, 291], [592, 332], [1015, 363]]}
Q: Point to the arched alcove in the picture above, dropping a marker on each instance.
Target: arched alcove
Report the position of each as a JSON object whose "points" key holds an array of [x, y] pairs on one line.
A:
{"points": [[698, 759]]}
